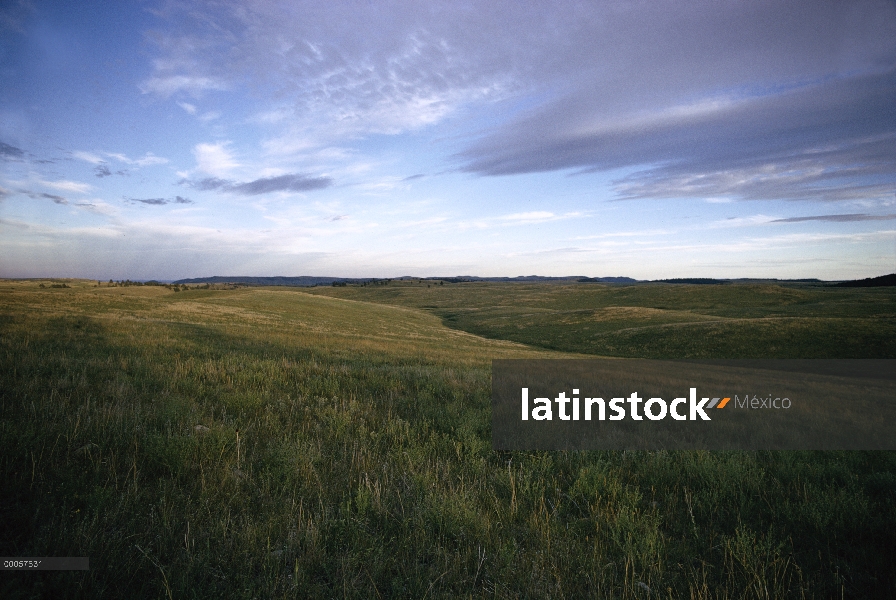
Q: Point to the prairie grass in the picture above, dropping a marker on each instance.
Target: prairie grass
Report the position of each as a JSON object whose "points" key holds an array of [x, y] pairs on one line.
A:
{"points": [[267, 443], [661, 320]]}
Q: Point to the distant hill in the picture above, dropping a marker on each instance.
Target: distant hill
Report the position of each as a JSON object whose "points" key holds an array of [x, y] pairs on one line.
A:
{"points": [[303, 281], [536, 278], [882, 281], [607, 280], [695, 280], [310, 281]]}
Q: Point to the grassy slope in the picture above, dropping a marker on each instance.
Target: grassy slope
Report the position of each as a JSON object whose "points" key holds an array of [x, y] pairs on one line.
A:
{"points": [[363, 467], [661, 321]]}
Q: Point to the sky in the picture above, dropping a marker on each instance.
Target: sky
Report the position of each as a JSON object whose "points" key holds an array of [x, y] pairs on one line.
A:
{"points": [[165, 139]]}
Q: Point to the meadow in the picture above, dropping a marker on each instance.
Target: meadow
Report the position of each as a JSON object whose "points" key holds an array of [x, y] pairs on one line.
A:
{"points": [[335, 442], [660, 320]]}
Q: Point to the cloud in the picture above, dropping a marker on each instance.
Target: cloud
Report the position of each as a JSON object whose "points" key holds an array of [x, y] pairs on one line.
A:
{"points": [[731, 100], [524, 218], [88, 157], [102, 171], [210, 183], [66, 186], [732, 222], [837, 218], [190, 108], [822, 141], [536, 216], [283, 183], [8, 152], [166, 86], [54, 198], [713, 101], [98, 207], [149, 159], [38, 195], [214, 159], [412, 67], [160, 201]]}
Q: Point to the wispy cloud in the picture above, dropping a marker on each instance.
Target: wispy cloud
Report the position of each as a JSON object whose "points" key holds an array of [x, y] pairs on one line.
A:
{"points": [[147, 160], [292, 182], [100, 160], [415, 71], [536, 216], [733, 222], [98, 207], [88, 157], [54, 198], [702, 113], [837, 218], [190, 108], [282, 183], [760, 219], [39, 195], [168, 85], [8, 152], [160, 201], [66, 186]]}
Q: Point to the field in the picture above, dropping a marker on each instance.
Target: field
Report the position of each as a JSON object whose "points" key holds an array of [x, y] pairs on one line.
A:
{"points": [[334, 442], [660, 321]]}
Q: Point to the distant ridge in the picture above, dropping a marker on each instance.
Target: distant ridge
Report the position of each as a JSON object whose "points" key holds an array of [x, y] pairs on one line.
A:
{"points": [[310, 281], [303, 281], [607, 280], [695, 280], [882, 281]]}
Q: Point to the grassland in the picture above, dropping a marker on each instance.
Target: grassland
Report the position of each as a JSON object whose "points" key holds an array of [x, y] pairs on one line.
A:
{"points": [[660, 320], [266, 443]]}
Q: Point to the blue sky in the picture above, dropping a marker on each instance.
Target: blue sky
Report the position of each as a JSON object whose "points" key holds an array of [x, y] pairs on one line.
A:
{"points": [[162, 140]]}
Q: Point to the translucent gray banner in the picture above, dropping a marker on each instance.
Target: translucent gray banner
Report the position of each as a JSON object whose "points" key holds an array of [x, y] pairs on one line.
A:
{"points": [[634, 404], [45, 563]]}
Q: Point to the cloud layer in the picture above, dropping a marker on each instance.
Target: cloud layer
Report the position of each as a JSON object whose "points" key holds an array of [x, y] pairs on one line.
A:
{"points": [[743, 100], [492, 137]]}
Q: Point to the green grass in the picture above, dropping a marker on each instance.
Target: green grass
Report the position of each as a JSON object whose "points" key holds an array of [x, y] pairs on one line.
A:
{"points": [[344, 452], [661, 320]]}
